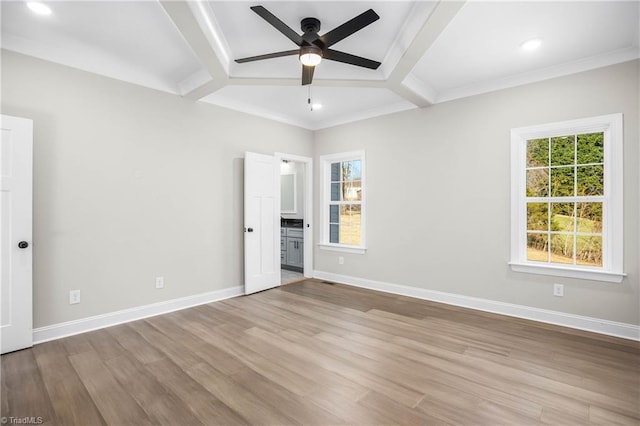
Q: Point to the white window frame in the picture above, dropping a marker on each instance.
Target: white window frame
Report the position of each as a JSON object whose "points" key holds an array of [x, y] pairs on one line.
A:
{"points": [[325, 191], [612, 221]]}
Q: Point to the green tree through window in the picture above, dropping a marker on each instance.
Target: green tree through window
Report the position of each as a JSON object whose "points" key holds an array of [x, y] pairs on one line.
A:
{"points": [[567, 198], [564, 181]]}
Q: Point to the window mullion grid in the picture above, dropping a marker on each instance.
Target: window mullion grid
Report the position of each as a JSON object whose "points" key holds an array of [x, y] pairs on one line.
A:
{"points": [[575, 193], [607, 162], [549, 203], [578, 199], [337, 202], [334, 202]]}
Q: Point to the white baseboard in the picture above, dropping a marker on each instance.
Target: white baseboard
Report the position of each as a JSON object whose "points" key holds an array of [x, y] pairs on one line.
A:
{"points": [[611, 328], [57, 331]]}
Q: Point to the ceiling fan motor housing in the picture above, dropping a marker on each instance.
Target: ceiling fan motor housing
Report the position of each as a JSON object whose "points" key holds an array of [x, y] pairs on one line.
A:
{"points": [[310, 25]]}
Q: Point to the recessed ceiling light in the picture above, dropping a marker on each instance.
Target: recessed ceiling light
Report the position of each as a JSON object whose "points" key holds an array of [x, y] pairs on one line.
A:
{"points": [[39, 8], [532, 44], [316, 106]]}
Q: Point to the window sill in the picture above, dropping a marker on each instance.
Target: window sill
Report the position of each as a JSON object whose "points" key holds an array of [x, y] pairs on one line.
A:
{"points": [[343, 248], [568, 272]]}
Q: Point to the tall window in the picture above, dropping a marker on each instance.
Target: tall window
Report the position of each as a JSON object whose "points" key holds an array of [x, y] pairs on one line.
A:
{"points": [[343, 201], [567, 199]]}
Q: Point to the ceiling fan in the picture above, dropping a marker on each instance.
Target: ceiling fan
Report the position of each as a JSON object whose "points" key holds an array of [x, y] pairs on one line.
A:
{"points": [[313, 47]]}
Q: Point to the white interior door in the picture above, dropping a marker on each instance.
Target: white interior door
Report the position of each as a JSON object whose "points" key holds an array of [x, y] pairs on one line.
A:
{"points": [[261, 222], [16, 162]]}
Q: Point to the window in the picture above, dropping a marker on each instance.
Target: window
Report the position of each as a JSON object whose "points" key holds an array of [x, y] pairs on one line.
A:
{"points": [[566, 199], [343, 206]]}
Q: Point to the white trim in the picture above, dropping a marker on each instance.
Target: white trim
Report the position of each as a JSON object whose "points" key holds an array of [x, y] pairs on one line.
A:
{"points": [[343, 248], [560, 271], [612, 223], [325, 188], [308, 208], [343, 156], [83, 325], [595, 325]]}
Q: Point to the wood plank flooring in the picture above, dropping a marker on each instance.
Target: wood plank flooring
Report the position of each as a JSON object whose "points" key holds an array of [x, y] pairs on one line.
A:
{"points": [[323, 354]]}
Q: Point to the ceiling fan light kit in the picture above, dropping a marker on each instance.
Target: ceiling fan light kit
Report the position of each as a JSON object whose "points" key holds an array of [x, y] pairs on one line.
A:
{"points": [[310, 55], [313, 47]]}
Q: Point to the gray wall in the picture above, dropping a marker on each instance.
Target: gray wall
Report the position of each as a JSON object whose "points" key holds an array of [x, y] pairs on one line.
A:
{"points": [[131, 183], [438, 185]]}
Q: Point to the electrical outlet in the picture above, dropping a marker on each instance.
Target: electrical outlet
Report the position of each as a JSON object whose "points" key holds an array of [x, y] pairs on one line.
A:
{"points": [[159, 282], [558, 290], [340, 260], [74, 297]]}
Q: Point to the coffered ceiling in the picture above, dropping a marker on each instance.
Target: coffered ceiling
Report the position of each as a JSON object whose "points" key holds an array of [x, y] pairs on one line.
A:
{"points": [[430, 51]]}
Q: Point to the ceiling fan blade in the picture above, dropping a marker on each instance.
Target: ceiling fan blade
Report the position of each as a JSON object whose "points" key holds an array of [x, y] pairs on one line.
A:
{"points": [[278, 24], [268, 56], [347, 58], [307, 74], [349, 27]]}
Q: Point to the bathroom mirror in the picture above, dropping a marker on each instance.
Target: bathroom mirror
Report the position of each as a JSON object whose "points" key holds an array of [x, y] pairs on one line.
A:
{"points": [[288, 193]]}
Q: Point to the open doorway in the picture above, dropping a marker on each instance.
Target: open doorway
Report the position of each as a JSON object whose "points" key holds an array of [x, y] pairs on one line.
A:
{"points": [[296, 248]]}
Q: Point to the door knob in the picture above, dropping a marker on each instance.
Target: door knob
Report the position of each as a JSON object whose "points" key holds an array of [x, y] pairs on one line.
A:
{"points": [[23, 244], [249, 229]]}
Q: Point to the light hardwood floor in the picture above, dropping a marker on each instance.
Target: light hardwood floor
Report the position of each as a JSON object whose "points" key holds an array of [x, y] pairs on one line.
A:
{"points": [[323, 354]]}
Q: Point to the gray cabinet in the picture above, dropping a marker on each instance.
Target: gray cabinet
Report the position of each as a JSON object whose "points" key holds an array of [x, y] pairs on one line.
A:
{"points": [[295, 256], [292, 248]]}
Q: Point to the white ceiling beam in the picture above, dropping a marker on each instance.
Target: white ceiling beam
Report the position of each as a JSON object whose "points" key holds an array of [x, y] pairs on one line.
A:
{"points": [[441, 16], [180, 13], [182, 16], [408, 94], [204, 90]]}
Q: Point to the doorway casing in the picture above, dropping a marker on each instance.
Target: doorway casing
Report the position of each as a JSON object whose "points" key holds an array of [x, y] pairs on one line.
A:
{"points": [[308, 206]]}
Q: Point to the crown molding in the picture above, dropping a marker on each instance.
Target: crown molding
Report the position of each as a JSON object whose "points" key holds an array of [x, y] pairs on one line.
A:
{"points": [[574, 67]]}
